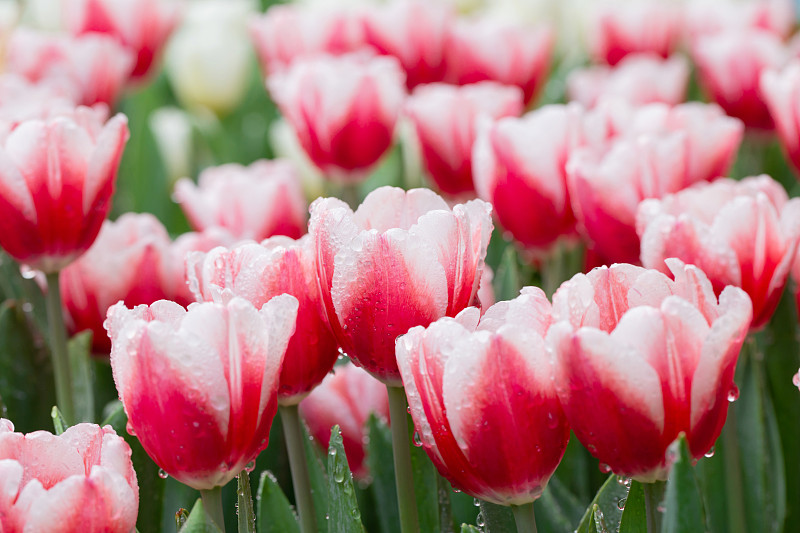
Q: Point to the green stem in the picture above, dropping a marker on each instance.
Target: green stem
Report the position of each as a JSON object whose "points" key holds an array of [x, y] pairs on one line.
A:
{"points": [[293, 432], [212, 504], [406, 499], [525, 518], [247, 518], [58, 349], [653, 494]]}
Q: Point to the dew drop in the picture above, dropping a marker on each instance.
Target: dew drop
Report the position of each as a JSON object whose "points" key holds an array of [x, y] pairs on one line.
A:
{"points": [[408, 409], [621, 503], [624, 481], [476, 502], [249, 467], [162, 474], [332, 452], [130, 430], [356, 513], [479, 520], [604, 468], [733, 394], [457, 491], [710, 452], [27, 273], [796, 380], [417, 439], [338, 475]]}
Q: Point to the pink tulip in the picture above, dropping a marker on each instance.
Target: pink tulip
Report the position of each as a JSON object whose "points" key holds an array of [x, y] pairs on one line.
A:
{"points": [[483, 399], [641, 358], [94, 67], [200, 386], [781, 92], [346, 398], [259, 272], [730, 66], [21, 99], [708, 17], [81, 480], [519, 166], [194, 241], [286, 33], [637, 79], [796, 380], [445, 118], [252, 202], [141, 26], [739, 233], [622, 28], [56, 181], [486, 296], [487, 49], [414, 32], [128, 262], [403, 259], [342, 109]]}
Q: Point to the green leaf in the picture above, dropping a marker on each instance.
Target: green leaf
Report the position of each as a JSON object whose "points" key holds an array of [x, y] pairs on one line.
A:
{"points": [[275, 514], [343, 511], [59, 424], [469, 528], [197, 523], [26, 379], [318, 478], [496, 518], [426, 488], [381, 465], [607, 503], [684, 513], [244, 504], [557, 509], [634, 516], [79, 349], [507, 279]]}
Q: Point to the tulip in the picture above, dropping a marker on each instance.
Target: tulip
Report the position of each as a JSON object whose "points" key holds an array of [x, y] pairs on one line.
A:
{"points": [[621, 28], [209, 58], [403, 259], [730, 66], [252, 202], [289, 32], [56, 181], [258, 273], [637, 79], [21, 99], [483, 400], [342, 109], [780, 90], [511, 54], [641, 358], [194, 241], [200, 386], [708, 17], [519, 166], [739, 233], [445, 119], [94, 67], [142, 26], [796, 379], [127, 262], [415, 33], [346, 398], [81, 480]]}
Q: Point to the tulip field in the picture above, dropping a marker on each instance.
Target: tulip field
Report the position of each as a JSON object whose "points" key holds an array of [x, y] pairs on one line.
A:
{"points": [[399, 266]]}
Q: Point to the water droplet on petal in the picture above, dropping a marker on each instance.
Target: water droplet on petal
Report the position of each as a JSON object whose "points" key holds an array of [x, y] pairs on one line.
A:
{"points": [[417, 439], [476, 502], [710, 452], [249, 467], [130, 430], [733, 394], [604, 468], [162, 474]]}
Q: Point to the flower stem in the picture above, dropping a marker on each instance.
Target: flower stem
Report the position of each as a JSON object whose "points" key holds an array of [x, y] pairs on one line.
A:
{"points": [[653, 493], [406, 499], [212, 504], [247, 517], [293, 432], [58, 349], [525, 518]]}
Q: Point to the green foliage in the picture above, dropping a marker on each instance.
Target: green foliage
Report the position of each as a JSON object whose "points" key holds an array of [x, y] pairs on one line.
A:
{"points": [[275, 514], [343, 512], [684, 504]]}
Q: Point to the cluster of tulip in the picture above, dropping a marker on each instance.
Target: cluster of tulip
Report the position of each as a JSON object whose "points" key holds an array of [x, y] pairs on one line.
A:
{"points": [[392, 299]]}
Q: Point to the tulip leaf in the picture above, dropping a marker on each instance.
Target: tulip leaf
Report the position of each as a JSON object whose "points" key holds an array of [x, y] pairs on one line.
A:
{"points": [[557, 509], [275, 514], [79, 348], [381, 466], [196, 522], [59, 424], [634, 515], [507, 279], [343, 512], [496, 518], [318, 480], [606, 502], [426, 488], [26, 382], [246, 517], [684, 513]]}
